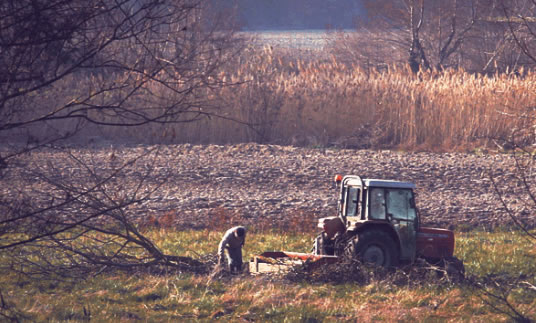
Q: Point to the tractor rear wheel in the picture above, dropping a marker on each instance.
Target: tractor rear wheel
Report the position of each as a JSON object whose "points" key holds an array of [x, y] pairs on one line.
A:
{"points": [[375, 247]]}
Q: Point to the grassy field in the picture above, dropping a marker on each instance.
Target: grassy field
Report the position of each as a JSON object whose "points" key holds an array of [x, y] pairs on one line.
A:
{"points": [[492, 260]]}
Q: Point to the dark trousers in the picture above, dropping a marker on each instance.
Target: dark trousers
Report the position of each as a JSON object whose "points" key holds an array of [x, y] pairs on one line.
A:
{"points": [[234, 258]]}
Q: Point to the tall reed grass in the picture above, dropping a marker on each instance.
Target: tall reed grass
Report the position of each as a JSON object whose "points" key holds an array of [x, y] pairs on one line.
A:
{"points": [[321, 102], [324, 102]]}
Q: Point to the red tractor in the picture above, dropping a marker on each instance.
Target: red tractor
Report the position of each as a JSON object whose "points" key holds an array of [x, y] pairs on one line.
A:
{"points": [[377, 222]]}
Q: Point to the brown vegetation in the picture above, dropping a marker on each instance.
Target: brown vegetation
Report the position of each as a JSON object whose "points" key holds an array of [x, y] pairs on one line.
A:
{"points": [[323, 103]]}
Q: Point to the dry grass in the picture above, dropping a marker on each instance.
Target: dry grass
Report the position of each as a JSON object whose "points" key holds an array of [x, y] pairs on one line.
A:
{"points": [[329, 102], [323, 102]]}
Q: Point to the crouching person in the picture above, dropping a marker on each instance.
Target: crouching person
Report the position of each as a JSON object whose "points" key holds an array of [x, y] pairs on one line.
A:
{"points": [[232, 241]]}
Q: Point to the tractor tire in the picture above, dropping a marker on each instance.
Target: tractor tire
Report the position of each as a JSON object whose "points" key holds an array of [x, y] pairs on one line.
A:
{"points": [[374, 247]]}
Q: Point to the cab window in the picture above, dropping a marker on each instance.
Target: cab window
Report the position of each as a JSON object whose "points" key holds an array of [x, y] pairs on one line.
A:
{"points": [[392, 202], [398, 204], [377, 203], [352, 201]]}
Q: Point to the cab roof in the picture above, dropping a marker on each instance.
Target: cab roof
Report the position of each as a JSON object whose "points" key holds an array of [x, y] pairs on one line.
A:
{"points": [[356, 181], [387, 183]]}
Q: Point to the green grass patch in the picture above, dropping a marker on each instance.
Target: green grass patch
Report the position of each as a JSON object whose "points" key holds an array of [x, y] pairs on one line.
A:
{"points": [[501, 253], [121, 296]]}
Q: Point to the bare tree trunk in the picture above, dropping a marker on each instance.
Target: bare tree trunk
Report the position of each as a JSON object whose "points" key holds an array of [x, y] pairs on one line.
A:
{"points": [[417, 57]]}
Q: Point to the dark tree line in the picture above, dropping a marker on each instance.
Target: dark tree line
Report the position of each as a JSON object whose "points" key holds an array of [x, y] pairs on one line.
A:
{"points": [[483, 36]]}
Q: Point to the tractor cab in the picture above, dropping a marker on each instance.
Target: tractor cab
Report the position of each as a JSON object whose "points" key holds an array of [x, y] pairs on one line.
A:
{"points": [[377, 200], [384, 204]]}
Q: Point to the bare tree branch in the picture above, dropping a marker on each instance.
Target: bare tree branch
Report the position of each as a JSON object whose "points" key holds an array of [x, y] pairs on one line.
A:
{"points": [[78, 64]]}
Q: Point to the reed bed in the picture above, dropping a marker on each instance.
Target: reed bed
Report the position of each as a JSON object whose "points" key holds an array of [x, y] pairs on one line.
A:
{"points": [[324, 102], [277, 97]]}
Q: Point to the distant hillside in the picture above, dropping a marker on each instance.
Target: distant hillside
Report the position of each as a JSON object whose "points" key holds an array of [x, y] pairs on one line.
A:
{"points": [[294, 14]]}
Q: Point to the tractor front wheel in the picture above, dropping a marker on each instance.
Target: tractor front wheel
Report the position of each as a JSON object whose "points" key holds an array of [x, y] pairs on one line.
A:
{"points": [[375, 247]]}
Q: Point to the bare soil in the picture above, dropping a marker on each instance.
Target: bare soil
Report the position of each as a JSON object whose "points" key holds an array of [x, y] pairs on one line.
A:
{"points": [[252, 183]]}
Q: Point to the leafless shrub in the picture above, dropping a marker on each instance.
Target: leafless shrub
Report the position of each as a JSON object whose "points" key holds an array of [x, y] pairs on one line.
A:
{"points": [[473, 35], [70, 223], [498, 292], [134, 62], [73, 68]]}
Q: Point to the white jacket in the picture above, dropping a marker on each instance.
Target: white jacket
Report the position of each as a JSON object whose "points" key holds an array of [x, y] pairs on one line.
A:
{"points": [[230, 240]]}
